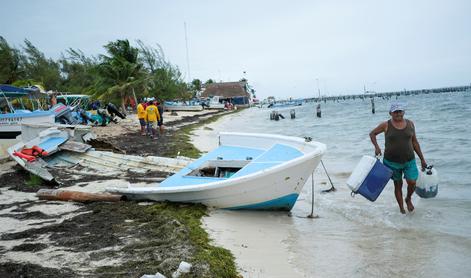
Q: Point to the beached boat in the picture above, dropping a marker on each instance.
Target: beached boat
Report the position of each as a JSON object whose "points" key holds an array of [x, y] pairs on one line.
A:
{"points": [[64, 149], [215, 103], [14, 113], [246, 171], [183, 106]]}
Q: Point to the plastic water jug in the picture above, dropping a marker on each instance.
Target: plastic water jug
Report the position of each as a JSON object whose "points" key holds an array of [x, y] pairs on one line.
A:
{"points": [[427, 183]]}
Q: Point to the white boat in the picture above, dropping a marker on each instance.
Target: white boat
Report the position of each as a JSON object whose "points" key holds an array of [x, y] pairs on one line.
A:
{"points": [[11, 117], [246, 171], [13, 114], [182, 106], [214, 103]]}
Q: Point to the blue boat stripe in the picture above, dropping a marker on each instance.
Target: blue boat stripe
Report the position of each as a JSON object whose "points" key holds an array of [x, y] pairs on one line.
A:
{"points": [[283, 203]]}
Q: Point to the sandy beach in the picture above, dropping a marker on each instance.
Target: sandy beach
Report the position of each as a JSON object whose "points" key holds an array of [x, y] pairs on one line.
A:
{"points": [[40, 238]]}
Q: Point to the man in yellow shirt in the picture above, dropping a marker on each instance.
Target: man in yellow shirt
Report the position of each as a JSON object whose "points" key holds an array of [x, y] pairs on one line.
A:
{"points": [[153, 117], [142, 115]]}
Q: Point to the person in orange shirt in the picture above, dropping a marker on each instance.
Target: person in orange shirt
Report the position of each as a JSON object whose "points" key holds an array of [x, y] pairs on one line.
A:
{"points": [[153, 117], [142, 115]]}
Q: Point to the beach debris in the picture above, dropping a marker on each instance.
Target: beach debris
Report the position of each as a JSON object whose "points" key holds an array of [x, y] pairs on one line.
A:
{"points": [[74, 146], [52, 152], [184, 267], [157, 275], [76, 196]]}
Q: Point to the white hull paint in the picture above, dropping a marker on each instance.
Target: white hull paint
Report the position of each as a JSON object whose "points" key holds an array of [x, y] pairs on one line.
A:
{"points": [[11, 123]]}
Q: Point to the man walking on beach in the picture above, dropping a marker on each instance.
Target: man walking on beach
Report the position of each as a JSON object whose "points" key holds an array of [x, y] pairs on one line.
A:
{"points": [[160, 123], [153, 117], [142, 115], [400, 144]]}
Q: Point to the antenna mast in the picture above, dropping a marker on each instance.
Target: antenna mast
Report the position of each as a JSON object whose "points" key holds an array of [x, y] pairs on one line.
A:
{"points": [[187, 55]]}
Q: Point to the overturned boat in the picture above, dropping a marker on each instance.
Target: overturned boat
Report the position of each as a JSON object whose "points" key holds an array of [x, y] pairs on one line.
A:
{"points": [[246, 171]]}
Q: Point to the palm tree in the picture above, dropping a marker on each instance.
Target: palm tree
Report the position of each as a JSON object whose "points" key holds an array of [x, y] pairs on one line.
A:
{"points": [[120, 71]]}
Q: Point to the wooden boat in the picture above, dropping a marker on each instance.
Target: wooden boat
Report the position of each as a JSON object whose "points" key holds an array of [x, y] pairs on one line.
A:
{"points": [[246, 171]]}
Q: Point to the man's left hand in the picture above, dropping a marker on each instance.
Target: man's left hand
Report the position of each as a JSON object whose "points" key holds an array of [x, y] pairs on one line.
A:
{"points": [[423, 164]]}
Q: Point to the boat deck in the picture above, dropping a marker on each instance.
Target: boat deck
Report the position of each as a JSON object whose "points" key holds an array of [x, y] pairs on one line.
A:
{"points": [[259, 160]]}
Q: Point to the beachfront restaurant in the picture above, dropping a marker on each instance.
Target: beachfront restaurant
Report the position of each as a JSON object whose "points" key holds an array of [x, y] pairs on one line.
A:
{"points": [[233, 92]]}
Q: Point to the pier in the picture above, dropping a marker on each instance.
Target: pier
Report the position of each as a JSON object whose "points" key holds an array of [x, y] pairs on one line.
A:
{"points": [[372, 94]]}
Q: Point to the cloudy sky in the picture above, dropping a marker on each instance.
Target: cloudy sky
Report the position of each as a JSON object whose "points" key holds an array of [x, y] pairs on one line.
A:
{"points": [[286, 48]]}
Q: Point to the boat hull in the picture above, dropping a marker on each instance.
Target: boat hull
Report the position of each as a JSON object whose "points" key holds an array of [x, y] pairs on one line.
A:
{"points": [[275, 190], [10, 124]]}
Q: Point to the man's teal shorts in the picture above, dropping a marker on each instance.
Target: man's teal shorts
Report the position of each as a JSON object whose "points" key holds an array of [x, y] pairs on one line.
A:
{"points": [[409, 169]]}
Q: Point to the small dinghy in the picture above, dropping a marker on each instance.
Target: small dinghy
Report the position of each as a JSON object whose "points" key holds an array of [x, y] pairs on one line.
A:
{"points": [[246, 171]]}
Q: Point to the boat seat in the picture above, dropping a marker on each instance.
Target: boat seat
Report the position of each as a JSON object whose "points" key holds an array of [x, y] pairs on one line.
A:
{"points": [[52, 143], [277, 154]]}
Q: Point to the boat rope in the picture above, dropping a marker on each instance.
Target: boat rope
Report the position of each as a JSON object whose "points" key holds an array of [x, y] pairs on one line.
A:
{"points": [[312, 199], [332, 188]]}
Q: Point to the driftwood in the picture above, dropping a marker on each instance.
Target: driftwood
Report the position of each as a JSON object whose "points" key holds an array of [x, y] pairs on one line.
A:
{"points": [[76, 196]]}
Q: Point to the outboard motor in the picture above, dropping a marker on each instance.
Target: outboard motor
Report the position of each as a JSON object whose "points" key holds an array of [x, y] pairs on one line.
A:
{"points": [[113, 110], [86, 118], [105, 117], [63, 114]]}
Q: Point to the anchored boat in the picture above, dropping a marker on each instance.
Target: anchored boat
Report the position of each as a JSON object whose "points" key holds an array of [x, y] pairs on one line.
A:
{"points": [[246, 171]]}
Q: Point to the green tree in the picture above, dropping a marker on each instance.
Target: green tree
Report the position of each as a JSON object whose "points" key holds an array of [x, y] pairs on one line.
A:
{"points": [[164, 79], [78, 71], [209, 81], [195, 87], [39, 68], [119, 72], [10, 67], [167, 83]]}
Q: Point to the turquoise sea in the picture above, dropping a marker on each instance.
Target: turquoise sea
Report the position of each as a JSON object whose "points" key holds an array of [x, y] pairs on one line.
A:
{"points": [[358, 238]]}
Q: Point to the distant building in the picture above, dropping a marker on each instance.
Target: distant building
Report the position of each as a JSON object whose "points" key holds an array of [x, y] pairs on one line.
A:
{"points": [[234, 92]]}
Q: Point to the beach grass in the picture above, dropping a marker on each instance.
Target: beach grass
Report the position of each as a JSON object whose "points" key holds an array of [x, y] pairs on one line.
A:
{"points": [[33, 181], [220, 260], [164, 234]]}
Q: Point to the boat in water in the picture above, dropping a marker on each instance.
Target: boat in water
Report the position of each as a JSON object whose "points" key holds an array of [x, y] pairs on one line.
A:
{"points": [[285, 104], [247, 171]]}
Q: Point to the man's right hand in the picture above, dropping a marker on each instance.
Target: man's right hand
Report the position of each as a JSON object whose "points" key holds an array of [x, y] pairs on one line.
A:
{"points": [[377, 151]]}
